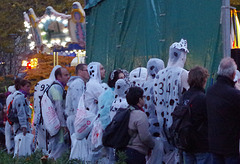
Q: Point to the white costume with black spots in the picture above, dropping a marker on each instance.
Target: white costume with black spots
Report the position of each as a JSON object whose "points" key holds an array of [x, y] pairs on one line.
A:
{"points": [[120, 92], [138, 76], [93, 87], [154, 65], [168, 87]]}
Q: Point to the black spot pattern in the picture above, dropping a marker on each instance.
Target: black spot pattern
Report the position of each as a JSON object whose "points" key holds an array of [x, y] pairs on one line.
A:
{"points": [[148, 98], [162, 114], [171, 102], [175, 54], [156, 134], [148, 114]]}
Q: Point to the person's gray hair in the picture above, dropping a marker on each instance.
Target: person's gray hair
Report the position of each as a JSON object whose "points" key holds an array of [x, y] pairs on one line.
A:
{"points": [[227, 67]]}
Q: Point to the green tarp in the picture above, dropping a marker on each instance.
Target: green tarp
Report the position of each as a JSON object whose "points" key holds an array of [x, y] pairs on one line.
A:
{"points": [[127, 33]]}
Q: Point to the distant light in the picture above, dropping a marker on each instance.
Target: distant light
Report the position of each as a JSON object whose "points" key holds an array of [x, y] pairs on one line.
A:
{"points": [[27, 30], [52, 41], [59, 19], [40, 25], [29, 36], [47, 17], [49, 45], [65, 30], [63, 44], [45, 41], [58, 41], [43, 20], [65, 21], [24, 63], [68, 39], [53, 17], [32, 44], [43, 33]]}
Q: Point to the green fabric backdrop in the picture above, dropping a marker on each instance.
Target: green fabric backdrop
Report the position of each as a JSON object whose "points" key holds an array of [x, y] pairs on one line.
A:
{"points": [[127, 33]]}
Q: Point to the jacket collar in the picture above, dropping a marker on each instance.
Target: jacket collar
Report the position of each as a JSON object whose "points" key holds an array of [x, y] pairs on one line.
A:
{"points": [[197, 89], [226, 80]]}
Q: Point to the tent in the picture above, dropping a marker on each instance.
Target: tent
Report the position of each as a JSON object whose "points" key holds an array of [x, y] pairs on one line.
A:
{"points": [[127, 33]]}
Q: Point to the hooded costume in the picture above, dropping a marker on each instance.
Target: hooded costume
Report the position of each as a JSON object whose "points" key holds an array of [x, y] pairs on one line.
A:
{"points": [[138, 76], [9, 137], [93, 87], [120, 92], [39, 89], [154, 65], [169, 85], [76, 87]]}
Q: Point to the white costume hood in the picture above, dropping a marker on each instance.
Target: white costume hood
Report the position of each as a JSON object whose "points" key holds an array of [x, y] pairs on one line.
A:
{"points": [[138, 76], [177, 54], [153, 66], [52, 75], [94, 71]]}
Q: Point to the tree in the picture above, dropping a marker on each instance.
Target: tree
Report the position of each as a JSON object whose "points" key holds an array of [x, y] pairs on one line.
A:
{"points": [[45, 66], [14, 44]]}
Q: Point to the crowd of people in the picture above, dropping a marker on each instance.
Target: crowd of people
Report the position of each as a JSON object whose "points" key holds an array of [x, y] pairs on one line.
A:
{"points": [[152, 93]]}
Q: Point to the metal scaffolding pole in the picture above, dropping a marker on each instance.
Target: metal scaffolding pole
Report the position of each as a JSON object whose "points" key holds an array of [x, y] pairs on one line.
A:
{"points": [[226, 27]]}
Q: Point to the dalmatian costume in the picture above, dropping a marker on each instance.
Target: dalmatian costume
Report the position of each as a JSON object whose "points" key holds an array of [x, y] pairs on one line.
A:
{"points": [[120, 93], [138, 76], [154, 65], [93, 87], [39, 89], [168, 87]]}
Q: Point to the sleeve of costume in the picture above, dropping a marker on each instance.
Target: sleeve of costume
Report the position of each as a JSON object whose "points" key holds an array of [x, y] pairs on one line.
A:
{"points": [[77, 92], [142, 127], [56, 93], [19, 104], [184, 83], [68, 102]]}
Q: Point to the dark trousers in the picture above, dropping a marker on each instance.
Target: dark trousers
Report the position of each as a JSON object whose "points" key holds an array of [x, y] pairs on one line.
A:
{"points": [[132, 156], [221, 159]]}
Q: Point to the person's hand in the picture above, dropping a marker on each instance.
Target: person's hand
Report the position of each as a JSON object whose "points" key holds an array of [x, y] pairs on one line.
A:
{"points": [[24, 131]]}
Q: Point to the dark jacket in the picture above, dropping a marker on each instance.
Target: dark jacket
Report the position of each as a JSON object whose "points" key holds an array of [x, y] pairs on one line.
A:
{"points": [[199, 132], [223, 107]]}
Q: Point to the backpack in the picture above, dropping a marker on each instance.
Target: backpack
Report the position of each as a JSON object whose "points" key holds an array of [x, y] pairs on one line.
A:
{"points": [[181, 128], [116, 133], [48, 114], [12, 115]]}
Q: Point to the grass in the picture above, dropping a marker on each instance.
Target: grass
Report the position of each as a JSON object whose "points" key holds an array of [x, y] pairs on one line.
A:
{"points": [[35, 158]]}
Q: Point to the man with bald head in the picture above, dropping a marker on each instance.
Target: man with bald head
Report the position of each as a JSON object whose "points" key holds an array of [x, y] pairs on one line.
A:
{"points": [[223, 108], [57, 95]]}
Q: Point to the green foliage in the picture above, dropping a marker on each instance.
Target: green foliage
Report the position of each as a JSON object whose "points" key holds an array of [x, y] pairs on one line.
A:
{"points": [[5, 82], [122, 157], [35, 158]]}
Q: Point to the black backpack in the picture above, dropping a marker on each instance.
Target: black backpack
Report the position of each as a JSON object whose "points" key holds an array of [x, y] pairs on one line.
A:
{"points": [[12, 115], [181, 128], [116, 133]]}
